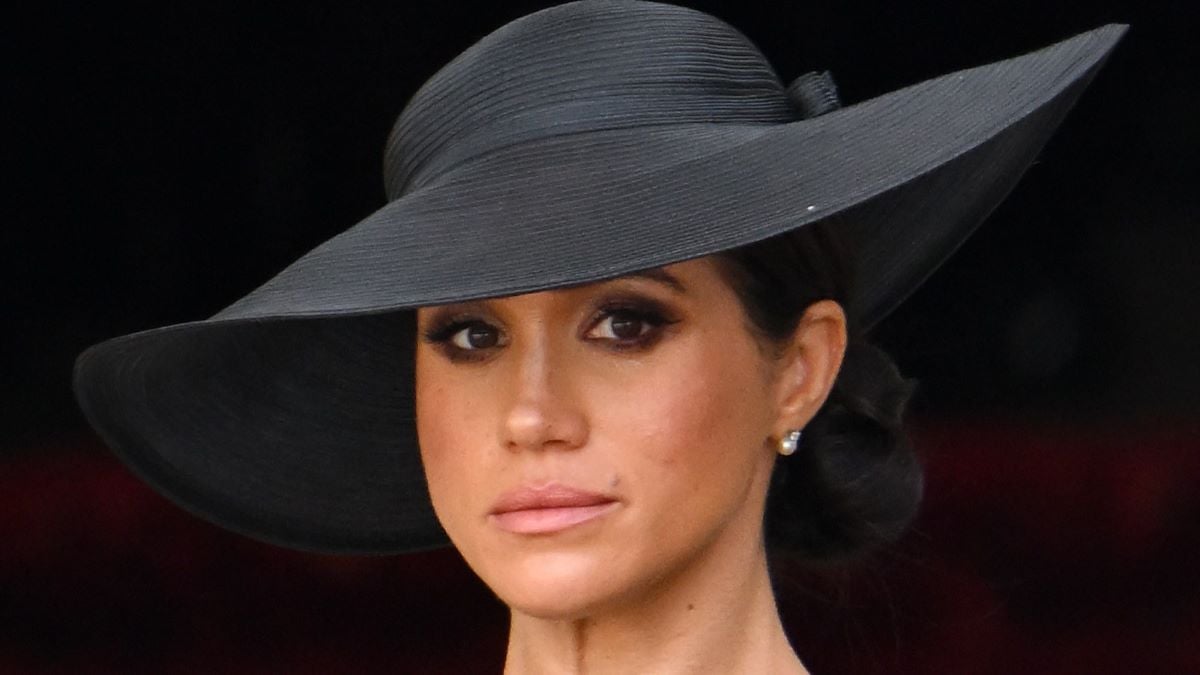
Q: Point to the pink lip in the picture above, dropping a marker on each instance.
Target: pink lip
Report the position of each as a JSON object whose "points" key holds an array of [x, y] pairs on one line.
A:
{"points": [[547, 509]]}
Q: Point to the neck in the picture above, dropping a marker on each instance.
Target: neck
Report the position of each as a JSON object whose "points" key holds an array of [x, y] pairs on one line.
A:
{"points": [[708, 620]]}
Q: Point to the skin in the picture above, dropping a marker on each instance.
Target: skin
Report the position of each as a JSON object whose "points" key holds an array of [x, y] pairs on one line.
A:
{"points": [[677, 422]]}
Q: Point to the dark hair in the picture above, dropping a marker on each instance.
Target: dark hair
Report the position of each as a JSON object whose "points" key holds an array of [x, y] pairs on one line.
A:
{"points": [[855, 482]]}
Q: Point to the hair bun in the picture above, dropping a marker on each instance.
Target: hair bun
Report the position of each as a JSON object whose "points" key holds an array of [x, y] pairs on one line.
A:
{"points": [[855, 483]]}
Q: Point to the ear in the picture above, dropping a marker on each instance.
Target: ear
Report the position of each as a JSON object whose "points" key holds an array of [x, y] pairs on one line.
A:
{"points": [[809, 365]]}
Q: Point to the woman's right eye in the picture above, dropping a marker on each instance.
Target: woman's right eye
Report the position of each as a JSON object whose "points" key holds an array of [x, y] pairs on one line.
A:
{"points": [[464, 339], [476, 335]]}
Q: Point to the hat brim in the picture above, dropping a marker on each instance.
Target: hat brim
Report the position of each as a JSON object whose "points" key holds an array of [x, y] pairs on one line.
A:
{"points": [[288, 415]]}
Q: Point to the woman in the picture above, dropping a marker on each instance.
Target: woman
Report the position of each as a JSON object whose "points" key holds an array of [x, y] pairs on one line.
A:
{"points": [[606, 337]]}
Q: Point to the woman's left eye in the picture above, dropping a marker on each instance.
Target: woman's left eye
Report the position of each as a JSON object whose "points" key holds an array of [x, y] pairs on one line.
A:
{"points": [[626, 326], [620, 327]]}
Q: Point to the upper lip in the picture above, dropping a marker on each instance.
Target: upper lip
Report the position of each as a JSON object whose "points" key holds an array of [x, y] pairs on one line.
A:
{"points": [[547, 496]]}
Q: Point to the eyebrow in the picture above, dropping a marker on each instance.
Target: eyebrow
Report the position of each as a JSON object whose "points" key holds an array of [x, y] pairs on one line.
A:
{"points": [[660, 275], [656, 274]]}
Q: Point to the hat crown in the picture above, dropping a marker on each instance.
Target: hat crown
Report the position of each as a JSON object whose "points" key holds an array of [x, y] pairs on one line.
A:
{"points": [[582, 66]]}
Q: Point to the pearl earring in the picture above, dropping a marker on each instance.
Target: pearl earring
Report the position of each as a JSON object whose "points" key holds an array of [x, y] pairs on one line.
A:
{"points": [[789, 443]]}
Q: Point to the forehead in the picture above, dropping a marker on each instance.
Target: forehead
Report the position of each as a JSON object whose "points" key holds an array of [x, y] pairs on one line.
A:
{"points": [[693, 279]]}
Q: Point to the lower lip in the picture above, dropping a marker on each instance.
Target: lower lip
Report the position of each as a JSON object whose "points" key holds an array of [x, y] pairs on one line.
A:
{"points": [[549, 521]]}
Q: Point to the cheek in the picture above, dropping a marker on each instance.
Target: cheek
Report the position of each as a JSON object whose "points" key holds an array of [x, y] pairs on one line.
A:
{"points": [[692, 427], [448, 429]]}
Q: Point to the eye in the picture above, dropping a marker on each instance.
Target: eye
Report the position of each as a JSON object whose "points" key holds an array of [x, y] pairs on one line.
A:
{"points": [[621, 325], [476, 335], [464, 338], [630, 324]]}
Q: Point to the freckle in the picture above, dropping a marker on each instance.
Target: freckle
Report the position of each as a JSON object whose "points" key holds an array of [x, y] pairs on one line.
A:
{"points": [[691, 607]]}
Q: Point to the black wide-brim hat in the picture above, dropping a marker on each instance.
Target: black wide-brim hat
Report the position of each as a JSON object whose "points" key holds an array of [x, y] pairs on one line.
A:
{"points": [[578, 143]]}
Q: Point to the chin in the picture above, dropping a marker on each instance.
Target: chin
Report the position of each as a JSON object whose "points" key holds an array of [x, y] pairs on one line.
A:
{"points": [[555, 585]]}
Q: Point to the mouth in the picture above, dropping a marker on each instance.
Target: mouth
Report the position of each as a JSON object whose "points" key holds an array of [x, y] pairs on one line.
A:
{"points": [[548, 509]]}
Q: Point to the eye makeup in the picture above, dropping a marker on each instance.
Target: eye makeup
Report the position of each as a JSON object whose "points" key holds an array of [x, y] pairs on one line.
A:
{"points": [[455, 334], [649, 315], [619, 321]]}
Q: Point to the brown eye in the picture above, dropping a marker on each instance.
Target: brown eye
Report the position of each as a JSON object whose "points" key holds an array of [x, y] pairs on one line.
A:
{"points": [[621, 326], [626, 327], [476, 336]]}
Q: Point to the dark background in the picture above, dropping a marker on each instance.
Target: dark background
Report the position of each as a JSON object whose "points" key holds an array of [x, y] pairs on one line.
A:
{"points": [[166, 158]]}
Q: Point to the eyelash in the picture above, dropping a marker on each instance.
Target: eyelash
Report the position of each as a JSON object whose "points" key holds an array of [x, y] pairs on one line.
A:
{"points": [[652, 314]]}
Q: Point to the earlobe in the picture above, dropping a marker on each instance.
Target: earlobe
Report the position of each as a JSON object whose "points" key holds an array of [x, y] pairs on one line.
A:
{"points": [[811, 364]]}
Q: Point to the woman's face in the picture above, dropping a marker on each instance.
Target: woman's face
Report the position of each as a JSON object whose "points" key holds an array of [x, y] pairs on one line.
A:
{"points": [[583, 445]]}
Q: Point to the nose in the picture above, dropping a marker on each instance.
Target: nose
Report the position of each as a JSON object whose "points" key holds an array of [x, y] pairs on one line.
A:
{"points": [[543, 410]]}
